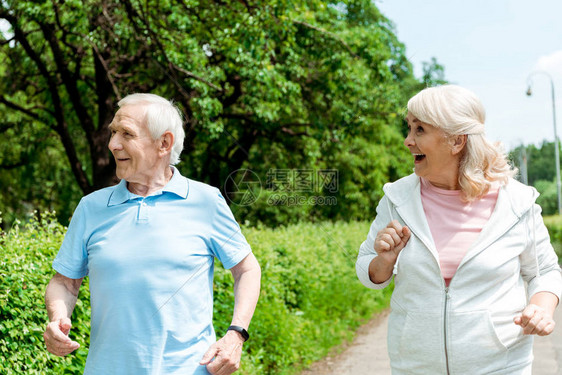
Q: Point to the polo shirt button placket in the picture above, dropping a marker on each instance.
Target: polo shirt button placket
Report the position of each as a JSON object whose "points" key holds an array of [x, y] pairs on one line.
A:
{"points": [[143, 211]]}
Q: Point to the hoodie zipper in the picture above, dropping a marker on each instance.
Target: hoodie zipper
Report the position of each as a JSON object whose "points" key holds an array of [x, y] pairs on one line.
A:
{"points": [[445, 328]]}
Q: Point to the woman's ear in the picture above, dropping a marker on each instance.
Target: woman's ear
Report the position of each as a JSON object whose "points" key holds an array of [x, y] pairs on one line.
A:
{"points": [[459, 141], [166, 143]]}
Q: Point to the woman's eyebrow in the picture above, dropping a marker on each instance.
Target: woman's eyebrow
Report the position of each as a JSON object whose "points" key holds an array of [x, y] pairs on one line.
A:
{"points": [[411, 119]]}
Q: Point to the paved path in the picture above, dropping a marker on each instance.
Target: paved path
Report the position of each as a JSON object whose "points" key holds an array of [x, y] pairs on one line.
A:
{"points": [[367, 354]]}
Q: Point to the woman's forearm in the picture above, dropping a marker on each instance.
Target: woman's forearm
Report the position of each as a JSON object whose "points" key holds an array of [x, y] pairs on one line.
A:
{"points": [[546, 300], [380, 270]]}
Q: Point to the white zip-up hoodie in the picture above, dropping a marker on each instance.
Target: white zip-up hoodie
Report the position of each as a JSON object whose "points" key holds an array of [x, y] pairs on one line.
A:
{"points": [[468, 327]]}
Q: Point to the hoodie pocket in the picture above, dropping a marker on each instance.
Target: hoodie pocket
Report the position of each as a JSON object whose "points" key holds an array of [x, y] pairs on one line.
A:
{"points": [[416, 342], [474, 345], [395, 329]]}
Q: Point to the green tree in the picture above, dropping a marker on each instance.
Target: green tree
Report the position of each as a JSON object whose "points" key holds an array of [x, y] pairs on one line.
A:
{"points": [[548, 200], [433, 73], [262, 85], [541, 163], [541, 172]]}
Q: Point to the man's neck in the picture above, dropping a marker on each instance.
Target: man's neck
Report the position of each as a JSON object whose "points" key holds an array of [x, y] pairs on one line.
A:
{"points": [[152, 185]]}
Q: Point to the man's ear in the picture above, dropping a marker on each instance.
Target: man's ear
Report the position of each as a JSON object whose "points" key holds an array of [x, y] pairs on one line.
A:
{"points": [[458, 143], [166, 143]]}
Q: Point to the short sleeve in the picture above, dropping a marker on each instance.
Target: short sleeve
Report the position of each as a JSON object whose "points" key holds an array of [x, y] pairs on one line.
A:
{"points": [[72, 258], [227, 241]]}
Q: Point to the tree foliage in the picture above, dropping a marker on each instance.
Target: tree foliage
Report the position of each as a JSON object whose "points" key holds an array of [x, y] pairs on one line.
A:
{"points": [[262, 85], [541, 172], [541, 164], [433, 73]]}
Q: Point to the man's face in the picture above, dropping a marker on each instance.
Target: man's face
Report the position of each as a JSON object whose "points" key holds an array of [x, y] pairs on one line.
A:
{"points": [[136, 153]]}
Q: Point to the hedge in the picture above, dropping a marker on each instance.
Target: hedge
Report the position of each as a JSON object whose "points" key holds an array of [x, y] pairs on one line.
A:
{"points": [[26, 254], [310, 299], [554, 225]]}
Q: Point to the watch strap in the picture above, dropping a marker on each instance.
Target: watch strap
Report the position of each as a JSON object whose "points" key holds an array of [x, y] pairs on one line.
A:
{"points": [[240, 330]]}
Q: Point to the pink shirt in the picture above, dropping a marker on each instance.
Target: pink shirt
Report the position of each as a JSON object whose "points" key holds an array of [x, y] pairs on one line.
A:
{"points": [[454, 224]]}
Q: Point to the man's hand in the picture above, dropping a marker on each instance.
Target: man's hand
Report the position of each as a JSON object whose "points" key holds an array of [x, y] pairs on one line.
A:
{"points": [[56, 338], [535, 321], [60, 299], [226, 353]]}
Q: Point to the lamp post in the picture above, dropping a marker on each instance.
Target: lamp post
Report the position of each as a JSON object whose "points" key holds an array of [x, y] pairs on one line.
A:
{"points": [[556, 148]]}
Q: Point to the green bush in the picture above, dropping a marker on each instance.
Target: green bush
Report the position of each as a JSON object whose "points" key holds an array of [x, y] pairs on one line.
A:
{"points": [[554, 225], [310, 298], [548, 200], [26, 253]]}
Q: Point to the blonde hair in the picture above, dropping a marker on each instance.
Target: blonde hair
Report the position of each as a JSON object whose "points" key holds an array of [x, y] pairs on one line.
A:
{"points": [[458, 111], [161, 116]]}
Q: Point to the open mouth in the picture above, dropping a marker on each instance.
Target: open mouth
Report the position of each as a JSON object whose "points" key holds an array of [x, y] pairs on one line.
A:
{"points": [[419, 157]]}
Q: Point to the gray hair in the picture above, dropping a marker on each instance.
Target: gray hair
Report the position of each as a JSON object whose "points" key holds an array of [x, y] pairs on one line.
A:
{"points": [[453, 109], [458, 111], [161, 115]]}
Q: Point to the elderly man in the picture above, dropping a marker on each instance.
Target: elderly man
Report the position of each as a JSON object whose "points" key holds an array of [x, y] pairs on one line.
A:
{"points": [[148, 245]]}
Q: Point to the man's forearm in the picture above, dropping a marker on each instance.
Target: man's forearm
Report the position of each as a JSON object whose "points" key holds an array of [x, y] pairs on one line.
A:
{"points": [[247, 276], [61, 296]]}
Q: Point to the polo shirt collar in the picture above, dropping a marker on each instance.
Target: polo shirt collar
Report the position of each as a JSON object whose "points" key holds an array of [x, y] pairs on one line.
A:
{"points": [[177, 185]]}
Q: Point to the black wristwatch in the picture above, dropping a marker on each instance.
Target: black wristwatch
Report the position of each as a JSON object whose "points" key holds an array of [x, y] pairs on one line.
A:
{"points": [[240, 330]]}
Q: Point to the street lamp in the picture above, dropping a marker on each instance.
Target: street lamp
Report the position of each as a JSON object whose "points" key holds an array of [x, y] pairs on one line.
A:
{"points": [[556, 150]]}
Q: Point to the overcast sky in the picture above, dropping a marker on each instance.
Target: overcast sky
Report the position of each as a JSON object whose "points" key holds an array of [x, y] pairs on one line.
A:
{"points": [[491, 47]]}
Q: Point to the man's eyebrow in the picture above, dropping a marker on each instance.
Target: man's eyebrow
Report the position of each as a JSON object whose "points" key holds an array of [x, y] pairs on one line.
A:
{"points": [[112, 126]]}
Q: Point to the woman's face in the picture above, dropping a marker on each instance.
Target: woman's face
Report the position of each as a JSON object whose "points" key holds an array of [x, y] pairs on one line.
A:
{"points": [[435, 157]]}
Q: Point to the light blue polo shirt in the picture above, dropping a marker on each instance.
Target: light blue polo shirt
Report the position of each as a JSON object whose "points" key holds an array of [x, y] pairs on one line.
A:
{"points": [[150, 263]]}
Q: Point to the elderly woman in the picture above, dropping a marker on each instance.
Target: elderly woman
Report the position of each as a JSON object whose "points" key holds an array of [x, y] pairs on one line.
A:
{"points": [[475, 275]]}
